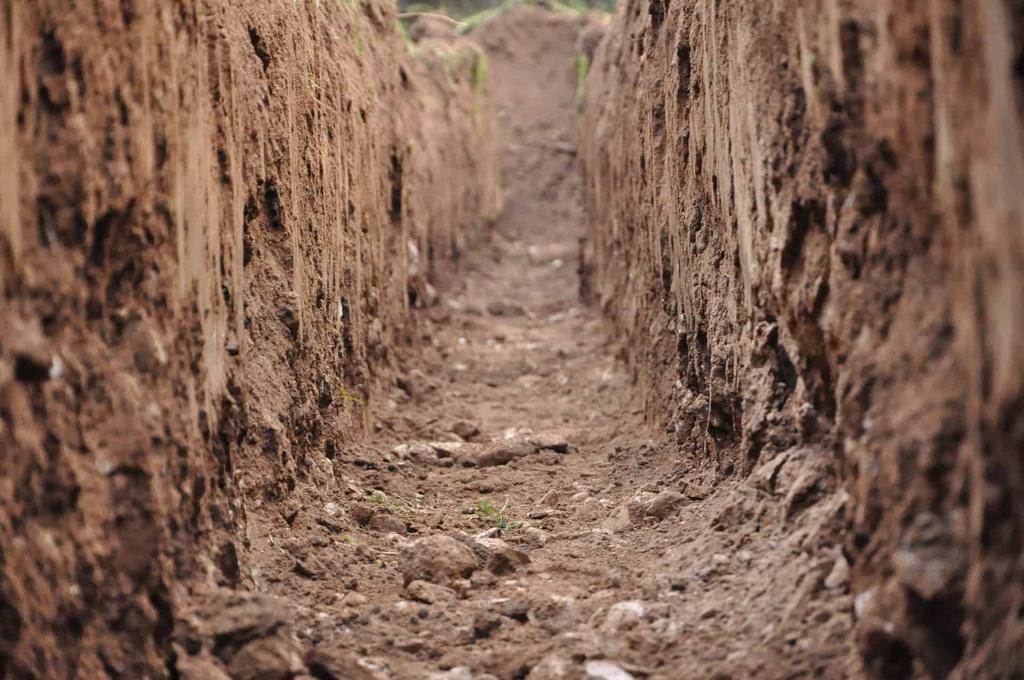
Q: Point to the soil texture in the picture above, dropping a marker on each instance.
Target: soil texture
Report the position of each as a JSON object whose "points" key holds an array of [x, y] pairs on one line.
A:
{"points": [[513, 515]]}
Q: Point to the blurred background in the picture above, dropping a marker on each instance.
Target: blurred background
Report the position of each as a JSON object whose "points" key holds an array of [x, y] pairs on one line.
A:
{"points": [[476, 12]]}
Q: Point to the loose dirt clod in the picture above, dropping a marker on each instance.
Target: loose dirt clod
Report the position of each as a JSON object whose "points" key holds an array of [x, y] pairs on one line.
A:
{"points": [[437, 559]]}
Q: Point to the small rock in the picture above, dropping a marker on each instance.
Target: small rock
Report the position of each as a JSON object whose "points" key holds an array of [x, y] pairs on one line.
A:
{"points": [[272, 658], [409, 645], [493, 532], [549, 458], [465, 429], [550, 441], [623, 616], [516, 608], [662, 505], [437, 559], [710, 612], [353, 599], [485, 623], [554, 666], [618, 521], [447, 449], [600, 669], [199, 668], [332, 661], [361, 514], [386, 522], [554, 614], [840, 574], [416, 452], [638, 505], [500, 454], [431, 593], [535, 537], [501, 557]]}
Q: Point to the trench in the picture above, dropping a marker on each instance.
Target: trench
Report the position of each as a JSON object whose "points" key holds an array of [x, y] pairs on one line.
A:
{"points": [[514, 514], [676, 342]]}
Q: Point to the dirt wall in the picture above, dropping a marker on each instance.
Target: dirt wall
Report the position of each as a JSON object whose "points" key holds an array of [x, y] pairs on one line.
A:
{"points": [[806, 217], [213, 219]]}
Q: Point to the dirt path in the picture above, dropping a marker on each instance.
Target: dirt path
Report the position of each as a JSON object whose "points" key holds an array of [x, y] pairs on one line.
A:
{"points": [[513, 515]]}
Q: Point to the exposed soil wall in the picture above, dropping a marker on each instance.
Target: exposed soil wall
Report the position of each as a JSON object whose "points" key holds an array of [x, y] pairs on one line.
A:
{"points": [[213, 219], [806, 218]]}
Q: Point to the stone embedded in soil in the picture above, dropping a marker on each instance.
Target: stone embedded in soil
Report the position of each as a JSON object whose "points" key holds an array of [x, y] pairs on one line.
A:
{"points": [[839, 575], [623, 616], [233, 618], [199, 668], [485, 623], [618, 521], [516, 608], [333, 661], [662, 505], [430, 593], [465, 429], [500, 453], [361, 513], [554, 614], [385, 522], [501, 558], [549, 441], [274, 658], [416, 452], [535, 536], [437, 559], [600, 669], [554, 666], [506, 560], [353, 599], [448, 449]]}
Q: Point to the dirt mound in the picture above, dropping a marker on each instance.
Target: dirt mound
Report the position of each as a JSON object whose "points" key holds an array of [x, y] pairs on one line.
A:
{"points": [[214, 218], [805, 220]]}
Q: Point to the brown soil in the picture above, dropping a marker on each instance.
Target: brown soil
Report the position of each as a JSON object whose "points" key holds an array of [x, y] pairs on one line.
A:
{"points": [[290, 389], [215, 219], [619, 551], [806, 222]]}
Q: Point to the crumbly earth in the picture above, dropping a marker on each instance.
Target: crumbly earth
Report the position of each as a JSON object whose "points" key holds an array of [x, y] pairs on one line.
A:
{"points": [[806, 218], [513, 515], [279, 400]]}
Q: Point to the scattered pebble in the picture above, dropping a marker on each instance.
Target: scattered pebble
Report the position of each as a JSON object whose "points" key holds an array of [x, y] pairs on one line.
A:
{"points": [[605, 670], [436, 559]]}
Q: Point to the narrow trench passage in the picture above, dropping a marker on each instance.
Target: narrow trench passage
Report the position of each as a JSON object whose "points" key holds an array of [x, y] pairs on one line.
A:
{"points": [[722, 379], [514, 515]]}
